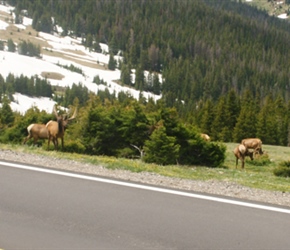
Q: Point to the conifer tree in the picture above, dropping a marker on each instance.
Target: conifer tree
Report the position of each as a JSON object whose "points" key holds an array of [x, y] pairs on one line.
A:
{"points": [[6, 113], [112, 62], [89, 40], [134, 125], [113, 46], [156, 88], [99, 133], [267, 125], [126, 75], [282, 121], [219, 129], [1, 45], [161, 148], [11, 45], [246, 125], [139, 79], [233, 110], [206, 117], [262, 125]]}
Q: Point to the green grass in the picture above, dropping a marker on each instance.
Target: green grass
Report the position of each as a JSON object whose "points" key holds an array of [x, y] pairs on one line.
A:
{"points": [[253, 175]]}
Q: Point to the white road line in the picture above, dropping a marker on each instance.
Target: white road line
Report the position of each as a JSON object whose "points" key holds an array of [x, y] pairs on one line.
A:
{"points": [[140, 186]]}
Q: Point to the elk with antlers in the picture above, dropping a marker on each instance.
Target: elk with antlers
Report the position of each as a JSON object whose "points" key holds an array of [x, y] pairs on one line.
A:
{"points": [[57, 128]]}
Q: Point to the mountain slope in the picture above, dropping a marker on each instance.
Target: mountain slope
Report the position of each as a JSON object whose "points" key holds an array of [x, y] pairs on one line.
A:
{"points": [[57, 53]]}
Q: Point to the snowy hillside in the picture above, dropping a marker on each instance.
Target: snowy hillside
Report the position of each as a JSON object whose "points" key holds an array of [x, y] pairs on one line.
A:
{"points": [[72, 53]]}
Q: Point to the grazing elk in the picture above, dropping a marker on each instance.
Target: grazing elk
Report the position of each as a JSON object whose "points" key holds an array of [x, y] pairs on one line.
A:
{"points": [[57, 128], [240, 153], [253, 143], [205, 137], [36, 131]]}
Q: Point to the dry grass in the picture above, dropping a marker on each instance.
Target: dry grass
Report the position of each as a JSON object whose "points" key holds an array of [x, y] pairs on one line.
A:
{"points": [[19, 35], [52, 75]]}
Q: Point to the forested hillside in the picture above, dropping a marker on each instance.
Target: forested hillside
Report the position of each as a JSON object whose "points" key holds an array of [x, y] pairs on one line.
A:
{"points": [[225, 64]]}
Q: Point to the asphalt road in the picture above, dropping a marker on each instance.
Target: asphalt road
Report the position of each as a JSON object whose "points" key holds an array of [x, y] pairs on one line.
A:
{"points": [[41, 210]]}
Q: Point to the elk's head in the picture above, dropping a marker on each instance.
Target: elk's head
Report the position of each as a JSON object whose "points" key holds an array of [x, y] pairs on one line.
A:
{"points": [[64, 119]]}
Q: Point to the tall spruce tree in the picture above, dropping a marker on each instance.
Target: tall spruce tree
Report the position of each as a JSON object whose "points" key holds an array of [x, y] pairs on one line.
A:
{"points": [[206, 117], [246, 123], [6, 113], [11, 45], [112, 62], [233, 110], [281, 114], [219, 129], [270, 123]]}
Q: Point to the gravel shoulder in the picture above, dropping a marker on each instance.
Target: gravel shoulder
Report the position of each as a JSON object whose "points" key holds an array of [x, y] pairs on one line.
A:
{"points": [[210, 187]]}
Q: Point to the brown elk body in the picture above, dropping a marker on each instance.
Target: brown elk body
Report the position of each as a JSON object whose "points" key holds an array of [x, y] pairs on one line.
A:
{"points": [[205, 137], [253, 143], [57, 128], [36, 131], [240, 153]]}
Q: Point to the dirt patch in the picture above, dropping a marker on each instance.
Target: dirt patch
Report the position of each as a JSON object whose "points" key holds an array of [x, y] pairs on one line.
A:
{"points": [[75, 52], [19, 35], [52, 75]]}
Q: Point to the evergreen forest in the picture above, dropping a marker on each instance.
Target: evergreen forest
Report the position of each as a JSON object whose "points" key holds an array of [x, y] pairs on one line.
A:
{"points": [[224, 65]]}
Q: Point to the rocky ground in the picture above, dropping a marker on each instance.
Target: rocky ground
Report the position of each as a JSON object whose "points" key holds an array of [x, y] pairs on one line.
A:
{"points": [[210, 187]]}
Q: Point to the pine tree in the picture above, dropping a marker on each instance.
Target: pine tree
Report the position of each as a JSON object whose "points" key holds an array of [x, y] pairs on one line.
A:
{"points": [[267, 125], [1, 45], [282, 121], [134, 125], [206, 117], [233, 110], [99, 132], [6, 114], [156, 89], [11, 45], [89, 41], [246, 125], [112, 62], [139, 79], [219, 129], [126, 75], [161, 148]]}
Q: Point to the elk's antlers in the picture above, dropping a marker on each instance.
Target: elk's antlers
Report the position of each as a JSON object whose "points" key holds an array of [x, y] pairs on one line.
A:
{"points": [[74, 115], [65, 117]]}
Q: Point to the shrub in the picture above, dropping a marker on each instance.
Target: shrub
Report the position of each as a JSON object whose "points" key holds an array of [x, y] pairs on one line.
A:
{"points": [[127, 153], [73, 146], [260, 160], [161, 149], [283, 170]]}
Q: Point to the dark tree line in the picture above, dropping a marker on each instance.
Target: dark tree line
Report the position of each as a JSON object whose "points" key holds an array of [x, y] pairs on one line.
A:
{"points": [[33, 86]]}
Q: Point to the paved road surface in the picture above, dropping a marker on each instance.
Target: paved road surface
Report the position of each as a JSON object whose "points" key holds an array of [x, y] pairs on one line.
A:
{"points": [[51, 211]]}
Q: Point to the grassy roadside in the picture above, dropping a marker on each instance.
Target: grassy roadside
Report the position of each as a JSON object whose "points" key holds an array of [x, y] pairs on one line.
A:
{"points": [[254, 176]]}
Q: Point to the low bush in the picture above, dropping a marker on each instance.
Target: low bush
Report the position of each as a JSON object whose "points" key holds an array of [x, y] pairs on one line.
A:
{"points": [[283, 169], [73, 147], [260, 160]]}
